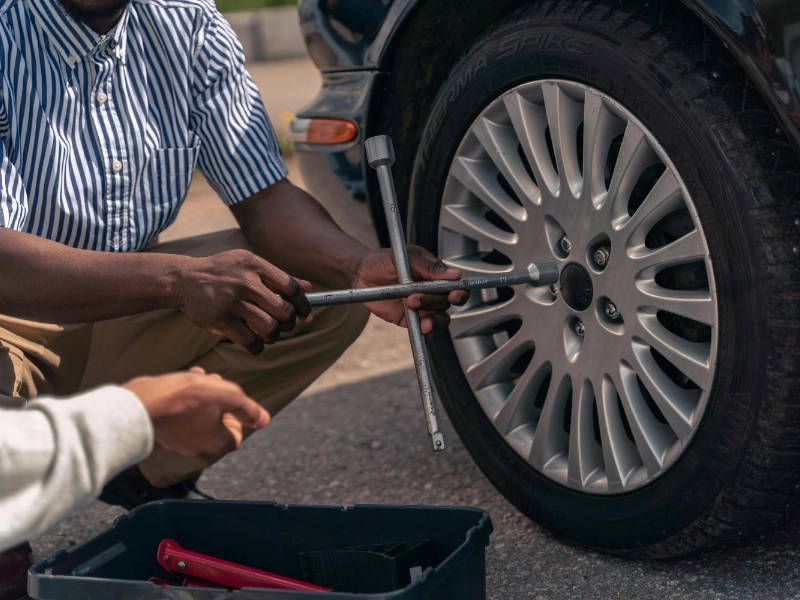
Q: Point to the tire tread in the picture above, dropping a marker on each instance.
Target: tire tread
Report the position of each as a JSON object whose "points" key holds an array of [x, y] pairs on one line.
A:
{"points": [[760, 496]]}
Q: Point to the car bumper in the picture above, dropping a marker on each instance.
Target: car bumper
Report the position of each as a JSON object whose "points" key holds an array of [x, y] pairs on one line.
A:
{"points": [[334, 174]]}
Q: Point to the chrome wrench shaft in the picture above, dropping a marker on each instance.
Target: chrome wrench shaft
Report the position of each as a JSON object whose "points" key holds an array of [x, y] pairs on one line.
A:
{"points": [[380, 155], [536, 274]]}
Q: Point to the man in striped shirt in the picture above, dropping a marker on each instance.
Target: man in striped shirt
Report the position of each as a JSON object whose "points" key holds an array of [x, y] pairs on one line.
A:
{"points": [[107, 107]]}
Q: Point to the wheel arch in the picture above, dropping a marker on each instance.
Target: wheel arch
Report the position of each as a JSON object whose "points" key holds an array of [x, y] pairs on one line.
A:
{"points": [[425, 43], [427, 37]]}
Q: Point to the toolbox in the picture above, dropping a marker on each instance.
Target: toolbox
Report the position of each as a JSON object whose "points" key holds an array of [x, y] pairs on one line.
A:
{"points": [[287, 540]]}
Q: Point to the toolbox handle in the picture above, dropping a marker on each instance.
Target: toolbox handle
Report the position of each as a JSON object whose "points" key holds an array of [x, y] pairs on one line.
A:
{"points": [[180, 561]]}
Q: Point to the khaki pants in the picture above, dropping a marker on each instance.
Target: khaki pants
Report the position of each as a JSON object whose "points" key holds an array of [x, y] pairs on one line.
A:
{"points": [[37, 358]]}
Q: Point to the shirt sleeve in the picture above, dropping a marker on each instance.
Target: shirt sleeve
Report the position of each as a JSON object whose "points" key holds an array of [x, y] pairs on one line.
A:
{"points": [[57, 454], [239, 152]]}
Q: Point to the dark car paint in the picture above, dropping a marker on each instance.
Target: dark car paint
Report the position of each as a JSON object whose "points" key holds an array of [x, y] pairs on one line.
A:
{"points": [[352, 41], [764, 35], [340, 33]]}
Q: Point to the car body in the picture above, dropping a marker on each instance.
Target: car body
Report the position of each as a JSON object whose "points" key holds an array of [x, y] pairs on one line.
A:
{"points": [[369, 51], [651, 150]]}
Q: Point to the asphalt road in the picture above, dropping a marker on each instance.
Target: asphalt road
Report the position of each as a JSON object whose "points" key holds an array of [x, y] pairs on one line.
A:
{"points": [[358, 436]]}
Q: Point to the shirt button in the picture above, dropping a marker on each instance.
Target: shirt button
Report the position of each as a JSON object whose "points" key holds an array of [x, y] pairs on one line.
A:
{"points": [[117, 166], [72, 60], [101, 98]]}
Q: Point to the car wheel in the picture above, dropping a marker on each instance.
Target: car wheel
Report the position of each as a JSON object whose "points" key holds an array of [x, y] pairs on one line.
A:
{"points": [[645, 404]]}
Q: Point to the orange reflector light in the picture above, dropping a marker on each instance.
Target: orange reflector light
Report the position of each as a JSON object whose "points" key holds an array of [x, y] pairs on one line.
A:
{"points": [[331, 131]]}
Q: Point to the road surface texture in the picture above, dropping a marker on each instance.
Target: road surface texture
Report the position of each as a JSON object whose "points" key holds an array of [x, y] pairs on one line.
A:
{"points": [[358, 436]]}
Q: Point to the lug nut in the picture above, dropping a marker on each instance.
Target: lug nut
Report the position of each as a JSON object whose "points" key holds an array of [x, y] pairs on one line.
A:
{"points": [[601, 256], [554, 289], [612, 311], [579, 328], [181, 565], [566, 245]]}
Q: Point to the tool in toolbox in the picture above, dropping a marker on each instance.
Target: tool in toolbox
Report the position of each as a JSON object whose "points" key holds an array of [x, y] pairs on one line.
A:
{"points": [[200, 570], [369, 569], [380, 154]]}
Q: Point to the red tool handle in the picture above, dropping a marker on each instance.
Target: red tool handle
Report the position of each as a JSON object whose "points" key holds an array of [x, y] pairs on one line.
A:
{"points": [[192, 564]]}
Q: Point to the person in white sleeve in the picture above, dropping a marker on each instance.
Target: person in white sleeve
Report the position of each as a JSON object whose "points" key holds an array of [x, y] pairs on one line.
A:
{"points": [[56, 454]]}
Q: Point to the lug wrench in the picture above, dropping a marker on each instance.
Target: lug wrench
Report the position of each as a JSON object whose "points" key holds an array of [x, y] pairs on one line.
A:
{"points": [[535, 275], [380, 155]]}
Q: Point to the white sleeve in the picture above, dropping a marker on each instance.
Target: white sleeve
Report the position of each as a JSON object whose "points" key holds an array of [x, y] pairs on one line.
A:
{"points": [[57, 454]]}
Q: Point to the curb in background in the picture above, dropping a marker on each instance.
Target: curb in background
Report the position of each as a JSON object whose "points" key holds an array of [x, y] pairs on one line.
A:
{"points": [[269, 34]]}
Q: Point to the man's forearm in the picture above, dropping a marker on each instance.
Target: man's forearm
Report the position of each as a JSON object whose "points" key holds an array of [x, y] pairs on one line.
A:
{"points": [[45, 281], [293, 231]]}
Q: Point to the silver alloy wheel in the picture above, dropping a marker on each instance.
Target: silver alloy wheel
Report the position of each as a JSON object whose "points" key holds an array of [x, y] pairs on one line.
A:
{"points": [[601, 383]]}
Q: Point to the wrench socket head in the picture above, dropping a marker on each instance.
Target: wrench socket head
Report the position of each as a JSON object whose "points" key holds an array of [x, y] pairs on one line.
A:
{"points": [[380, 151]]}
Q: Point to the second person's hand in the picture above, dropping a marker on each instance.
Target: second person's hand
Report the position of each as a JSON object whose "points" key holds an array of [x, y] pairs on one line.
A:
{"points": [[194, 413]]}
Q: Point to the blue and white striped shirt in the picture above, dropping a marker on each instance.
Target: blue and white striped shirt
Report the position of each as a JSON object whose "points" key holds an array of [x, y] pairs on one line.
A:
{"points": [[101, 134]]}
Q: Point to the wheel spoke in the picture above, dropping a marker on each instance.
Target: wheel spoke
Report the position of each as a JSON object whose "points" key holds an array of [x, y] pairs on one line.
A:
{"points": [[689, 248], [585, 454], [635, 155], [676, 404], [480, 178], [665, 197], [473, 266], [564, 116], [600, 127], [495, 367], [620, 456], [500, 142], [697, 305], [550, 439], [519, 408], [471, 222], [483, 319], [693, 360], [530, 121], [653, 438]]}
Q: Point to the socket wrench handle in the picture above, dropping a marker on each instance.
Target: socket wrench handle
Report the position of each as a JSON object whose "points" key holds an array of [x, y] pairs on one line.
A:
{"points": [[537, 275], [380, 154]]}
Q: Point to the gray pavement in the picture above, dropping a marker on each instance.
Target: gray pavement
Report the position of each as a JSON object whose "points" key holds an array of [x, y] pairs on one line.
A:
{"points": [[358, 436]]}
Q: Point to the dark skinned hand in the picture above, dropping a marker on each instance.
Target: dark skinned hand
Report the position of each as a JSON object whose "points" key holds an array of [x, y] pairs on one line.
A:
{"points": [[243, 297], [377, 268]]}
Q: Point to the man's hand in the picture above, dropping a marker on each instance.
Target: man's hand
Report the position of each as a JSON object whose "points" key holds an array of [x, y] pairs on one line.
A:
{"points": [[377, 268], [241, 296], [194, 413]]}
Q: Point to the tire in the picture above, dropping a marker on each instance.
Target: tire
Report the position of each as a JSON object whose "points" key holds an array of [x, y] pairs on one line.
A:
{"points": [[737, 473]]}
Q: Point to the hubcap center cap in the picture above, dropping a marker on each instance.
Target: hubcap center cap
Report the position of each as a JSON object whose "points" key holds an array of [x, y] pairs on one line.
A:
{"points": [[576, 287]]}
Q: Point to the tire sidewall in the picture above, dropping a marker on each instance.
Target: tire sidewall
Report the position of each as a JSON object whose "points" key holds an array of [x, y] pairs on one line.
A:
{"points": [[526, 49]]}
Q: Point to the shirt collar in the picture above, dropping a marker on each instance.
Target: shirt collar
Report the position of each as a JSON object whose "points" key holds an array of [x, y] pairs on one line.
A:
{"points": [[74, 39]]}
